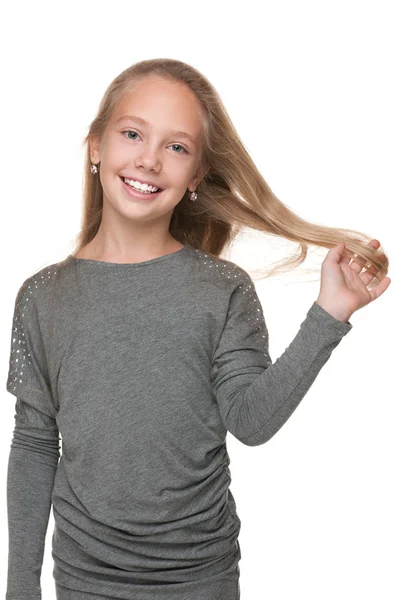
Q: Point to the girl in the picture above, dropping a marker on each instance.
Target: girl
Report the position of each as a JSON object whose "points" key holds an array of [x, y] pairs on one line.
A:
{"points": [[144, 347]]}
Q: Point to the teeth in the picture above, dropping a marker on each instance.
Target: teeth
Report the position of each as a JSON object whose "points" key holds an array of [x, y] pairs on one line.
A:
{"points": [[140, 186]]}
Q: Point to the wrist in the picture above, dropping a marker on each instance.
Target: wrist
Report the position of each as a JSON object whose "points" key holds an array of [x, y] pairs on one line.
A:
{"points": [[334, 311]]}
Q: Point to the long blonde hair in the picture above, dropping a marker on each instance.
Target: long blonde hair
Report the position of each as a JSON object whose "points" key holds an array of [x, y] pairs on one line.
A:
{"points": [[232, 195]]}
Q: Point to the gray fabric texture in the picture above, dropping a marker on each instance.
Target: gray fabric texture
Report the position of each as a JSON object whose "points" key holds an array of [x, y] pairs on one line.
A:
{"points": [[142, 369]]}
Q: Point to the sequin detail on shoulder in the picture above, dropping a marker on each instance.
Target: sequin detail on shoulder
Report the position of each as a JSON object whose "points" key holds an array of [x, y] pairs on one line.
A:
{"points": [[254, 312], [20, 357]]}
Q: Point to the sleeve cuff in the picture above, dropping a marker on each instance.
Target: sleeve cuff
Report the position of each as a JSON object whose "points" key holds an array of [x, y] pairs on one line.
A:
{"points": [[320, 314]]}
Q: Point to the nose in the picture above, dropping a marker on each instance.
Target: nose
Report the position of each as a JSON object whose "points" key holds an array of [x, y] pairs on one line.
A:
{"points": [[148, 158]]}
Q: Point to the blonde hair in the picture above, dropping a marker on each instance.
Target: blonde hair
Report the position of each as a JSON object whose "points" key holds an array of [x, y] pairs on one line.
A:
{"points": [[232, 195]]}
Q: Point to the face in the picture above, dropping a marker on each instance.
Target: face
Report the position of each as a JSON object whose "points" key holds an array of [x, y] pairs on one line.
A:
{"points": [[142, 142]]}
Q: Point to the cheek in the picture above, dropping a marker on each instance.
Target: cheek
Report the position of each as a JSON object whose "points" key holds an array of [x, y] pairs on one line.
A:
{"points": [[114, 150], [119, 153], [180, 170]]}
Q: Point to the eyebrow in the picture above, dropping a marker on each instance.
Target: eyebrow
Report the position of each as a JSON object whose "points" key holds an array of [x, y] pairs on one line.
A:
{"points": [[144, 122]]}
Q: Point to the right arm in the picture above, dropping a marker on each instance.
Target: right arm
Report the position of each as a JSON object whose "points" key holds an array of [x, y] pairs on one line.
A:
{"points": [[32, 466]]}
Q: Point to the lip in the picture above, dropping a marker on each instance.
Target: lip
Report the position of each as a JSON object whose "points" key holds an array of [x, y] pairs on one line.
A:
{"points": [[160, 189], [133, 193]]}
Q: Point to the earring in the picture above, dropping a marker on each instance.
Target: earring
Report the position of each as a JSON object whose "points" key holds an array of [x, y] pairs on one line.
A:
{"points": [[93, 168], [193, 196]]}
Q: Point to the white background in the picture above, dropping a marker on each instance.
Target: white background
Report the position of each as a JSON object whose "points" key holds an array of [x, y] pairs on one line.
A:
{"points": [[313, 90]]}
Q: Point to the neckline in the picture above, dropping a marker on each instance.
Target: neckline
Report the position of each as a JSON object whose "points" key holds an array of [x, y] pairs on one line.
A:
{"points": [[104, 263]]}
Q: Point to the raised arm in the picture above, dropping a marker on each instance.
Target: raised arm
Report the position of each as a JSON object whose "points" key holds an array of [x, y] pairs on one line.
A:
{"points": [[256, 397]]}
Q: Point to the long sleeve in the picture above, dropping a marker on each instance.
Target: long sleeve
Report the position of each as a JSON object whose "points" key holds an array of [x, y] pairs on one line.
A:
{"points": [[32, 465], [34, 452], [256, 397]]}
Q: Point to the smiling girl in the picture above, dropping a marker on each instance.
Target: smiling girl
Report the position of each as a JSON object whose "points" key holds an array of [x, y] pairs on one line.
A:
{"points": [[144, 347]]}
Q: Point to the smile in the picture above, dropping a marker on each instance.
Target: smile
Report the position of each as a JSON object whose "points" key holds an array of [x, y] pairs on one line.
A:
{"points": [[141, 194]]}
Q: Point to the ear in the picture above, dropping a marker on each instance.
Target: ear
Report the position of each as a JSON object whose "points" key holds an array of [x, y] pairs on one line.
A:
{"points": [[94, 149], [201, 172]]}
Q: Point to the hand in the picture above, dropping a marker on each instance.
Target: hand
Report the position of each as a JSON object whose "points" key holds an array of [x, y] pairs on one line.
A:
{"points": [[343, 290]]}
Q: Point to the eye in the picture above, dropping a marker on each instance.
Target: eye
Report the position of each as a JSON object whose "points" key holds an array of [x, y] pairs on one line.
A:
{"points": [[136, 133], [179, 146], [130, 131]]}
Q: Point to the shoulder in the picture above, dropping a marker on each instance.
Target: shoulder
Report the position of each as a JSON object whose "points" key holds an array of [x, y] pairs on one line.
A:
{"points": [[37, 289], [224, 271]]}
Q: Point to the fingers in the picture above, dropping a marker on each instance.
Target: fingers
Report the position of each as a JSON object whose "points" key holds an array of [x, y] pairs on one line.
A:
{"points": [[345, 259], [367, 276], [358, 265], [379, 289]]}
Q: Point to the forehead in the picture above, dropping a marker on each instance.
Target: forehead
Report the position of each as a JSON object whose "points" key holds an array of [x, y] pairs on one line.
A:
{"points": [[165, 105]]}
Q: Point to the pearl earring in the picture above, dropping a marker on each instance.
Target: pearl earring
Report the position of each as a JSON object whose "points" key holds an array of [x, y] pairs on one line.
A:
{"points": [[93, 168], [193, 196]]}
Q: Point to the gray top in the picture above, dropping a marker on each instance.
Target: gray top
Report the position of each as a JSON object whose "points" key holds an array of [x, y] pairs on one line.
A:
{"points": [[142, 368]]}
